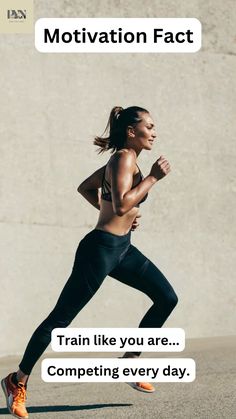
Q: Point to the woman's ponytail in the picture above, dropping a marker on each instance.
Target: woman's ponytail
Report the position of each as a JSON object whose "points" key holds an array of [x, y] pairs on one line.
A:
{"points": [[115, 130], [104, 143]]}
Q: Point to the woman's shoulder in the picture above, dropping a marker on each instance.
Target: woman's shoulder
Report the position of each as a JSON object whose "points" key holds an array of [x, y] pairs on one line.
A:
{"points": [[124, 155], [123, 159]]}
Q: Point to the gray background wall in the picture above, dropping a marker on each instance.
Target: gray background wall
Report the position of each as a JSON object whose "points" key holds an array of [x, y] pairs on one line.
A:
{"points": [[51, 107]]}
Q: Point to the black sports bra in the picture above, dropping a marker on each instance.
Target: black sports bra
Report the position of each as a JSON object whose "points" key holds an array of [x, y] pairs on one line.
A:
{"points": [[106, 188]]}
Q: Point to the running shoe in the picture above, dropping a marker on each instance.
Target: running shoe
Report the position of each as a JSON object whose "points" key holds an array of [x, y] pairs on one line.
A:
{"points": [[145, 387], [15, 397]]}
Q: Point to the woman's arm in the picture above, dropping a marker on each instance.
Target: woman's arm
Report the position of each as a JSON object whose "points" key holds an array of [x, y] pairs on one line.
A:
{"points": [[123, 197], [89, 188]]}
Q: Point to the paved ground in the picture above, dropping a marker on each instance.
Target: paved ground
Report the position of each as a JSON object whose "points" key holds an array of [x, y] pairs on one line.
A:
{"points": [[210, 396]]}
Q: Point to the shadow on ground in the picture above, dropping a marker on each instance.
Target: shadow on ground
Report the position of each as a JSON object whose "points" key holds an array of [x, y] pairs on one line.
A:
{"points": [[66, 408]]}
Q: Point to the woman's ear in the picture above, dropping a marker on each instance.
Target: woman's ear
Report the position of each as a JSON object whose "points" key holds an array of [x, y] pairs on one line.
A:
{"points": [[130, 132]]}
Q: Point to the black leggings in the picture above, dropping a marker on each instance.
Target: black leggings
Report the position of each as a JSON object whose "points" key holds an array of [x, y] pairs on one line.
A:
{"points": [[100, 254]]}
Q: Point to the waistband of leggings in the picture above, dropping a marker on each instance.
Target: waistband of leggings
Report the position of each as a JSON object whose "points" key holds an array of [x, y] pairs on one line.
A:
{"points": [[106, 236]]}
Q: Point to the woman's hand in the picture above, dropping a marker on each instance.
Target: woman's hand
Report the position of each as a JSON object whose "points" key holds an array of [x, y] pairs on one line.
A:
{"points": [[160, 168], [135, 222]]}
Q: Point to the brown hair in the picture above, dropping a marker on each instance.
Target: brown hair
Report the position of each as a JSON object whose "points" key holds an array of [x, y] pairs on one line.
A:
{"points": [[118, 122]]}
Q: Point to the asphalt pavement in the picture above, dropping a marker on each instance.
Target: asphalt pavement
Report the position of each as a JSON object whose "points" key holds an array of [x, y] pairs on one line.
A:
{"points": [[210, 396]]}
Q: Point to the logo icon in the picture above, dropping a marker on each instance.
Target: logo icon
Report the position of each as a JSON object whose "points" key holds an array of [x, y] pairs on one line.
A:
{"points": [[14, 15]]}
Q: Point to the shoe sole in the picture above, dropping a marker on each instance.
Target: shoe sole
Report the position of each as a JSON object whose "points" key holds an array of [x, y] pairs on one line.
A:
{"points": [[8, 406], [135, 387]]}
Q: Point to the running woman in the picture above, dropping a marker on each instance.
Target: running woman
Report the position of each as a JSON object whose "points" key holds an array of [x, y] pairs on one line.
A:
{"points": [[107, 249]]}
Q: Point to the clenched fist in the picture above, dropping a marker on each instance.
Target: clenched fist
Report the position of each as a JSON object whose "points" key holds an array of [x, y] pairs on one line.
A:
{"points": [[160, 168]]}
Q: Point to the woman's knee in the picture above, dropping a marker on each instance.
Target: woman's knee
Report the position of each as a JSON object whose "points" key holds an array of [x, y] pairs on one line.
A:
{"points": [[168, 299], [172, 299]]}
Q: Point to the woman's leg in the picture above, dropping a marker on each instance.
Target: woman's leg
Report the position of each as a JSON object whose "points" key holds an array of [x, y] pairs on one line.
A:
{"points": [[76, 293], [74, 296], [98, 253], [92, 263], [137, 271]]}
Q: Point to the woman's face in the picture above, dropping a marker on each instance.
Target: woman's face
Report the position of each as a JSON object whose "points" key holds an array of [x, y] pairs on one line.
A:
{"points": [[144, 132]]}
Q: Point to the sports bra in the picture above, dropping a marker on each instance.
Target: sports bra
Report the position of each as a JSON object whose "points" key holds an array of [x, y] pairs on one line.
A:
{"points": [[106, 188]]}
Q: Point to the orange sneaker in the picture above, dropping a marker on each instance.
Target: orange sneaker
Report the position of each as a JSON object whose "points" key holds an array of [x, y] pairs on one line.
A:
{"points": [[15, 397], [145, 387]]}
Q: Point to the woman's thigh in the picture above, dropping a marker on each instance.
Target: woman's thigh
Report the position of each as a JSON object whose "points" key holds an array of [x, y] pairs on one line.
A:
{"points": [[95, 257], [137, 271]]}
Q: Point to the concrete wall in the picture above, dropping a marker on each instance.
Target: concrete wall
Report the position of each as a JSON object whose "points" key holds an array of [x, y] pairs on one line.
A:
{"points": [[51, 107]]}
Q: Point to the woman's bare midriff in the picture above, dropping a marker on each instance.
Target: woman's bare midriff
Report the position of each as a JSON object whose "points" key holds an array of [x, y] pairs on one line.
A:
{"points": [[112, 223]]}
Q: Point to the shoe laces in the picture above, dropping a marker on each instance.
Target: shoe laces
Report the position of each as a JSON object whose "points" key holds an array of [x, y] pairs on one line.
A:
{"points": [[20, 393]]}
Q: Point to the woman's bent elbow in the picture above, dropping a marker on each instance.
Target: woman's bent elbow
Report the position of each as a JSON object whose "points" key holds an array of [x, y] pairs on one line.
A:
{"points": [[119, 211]]}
